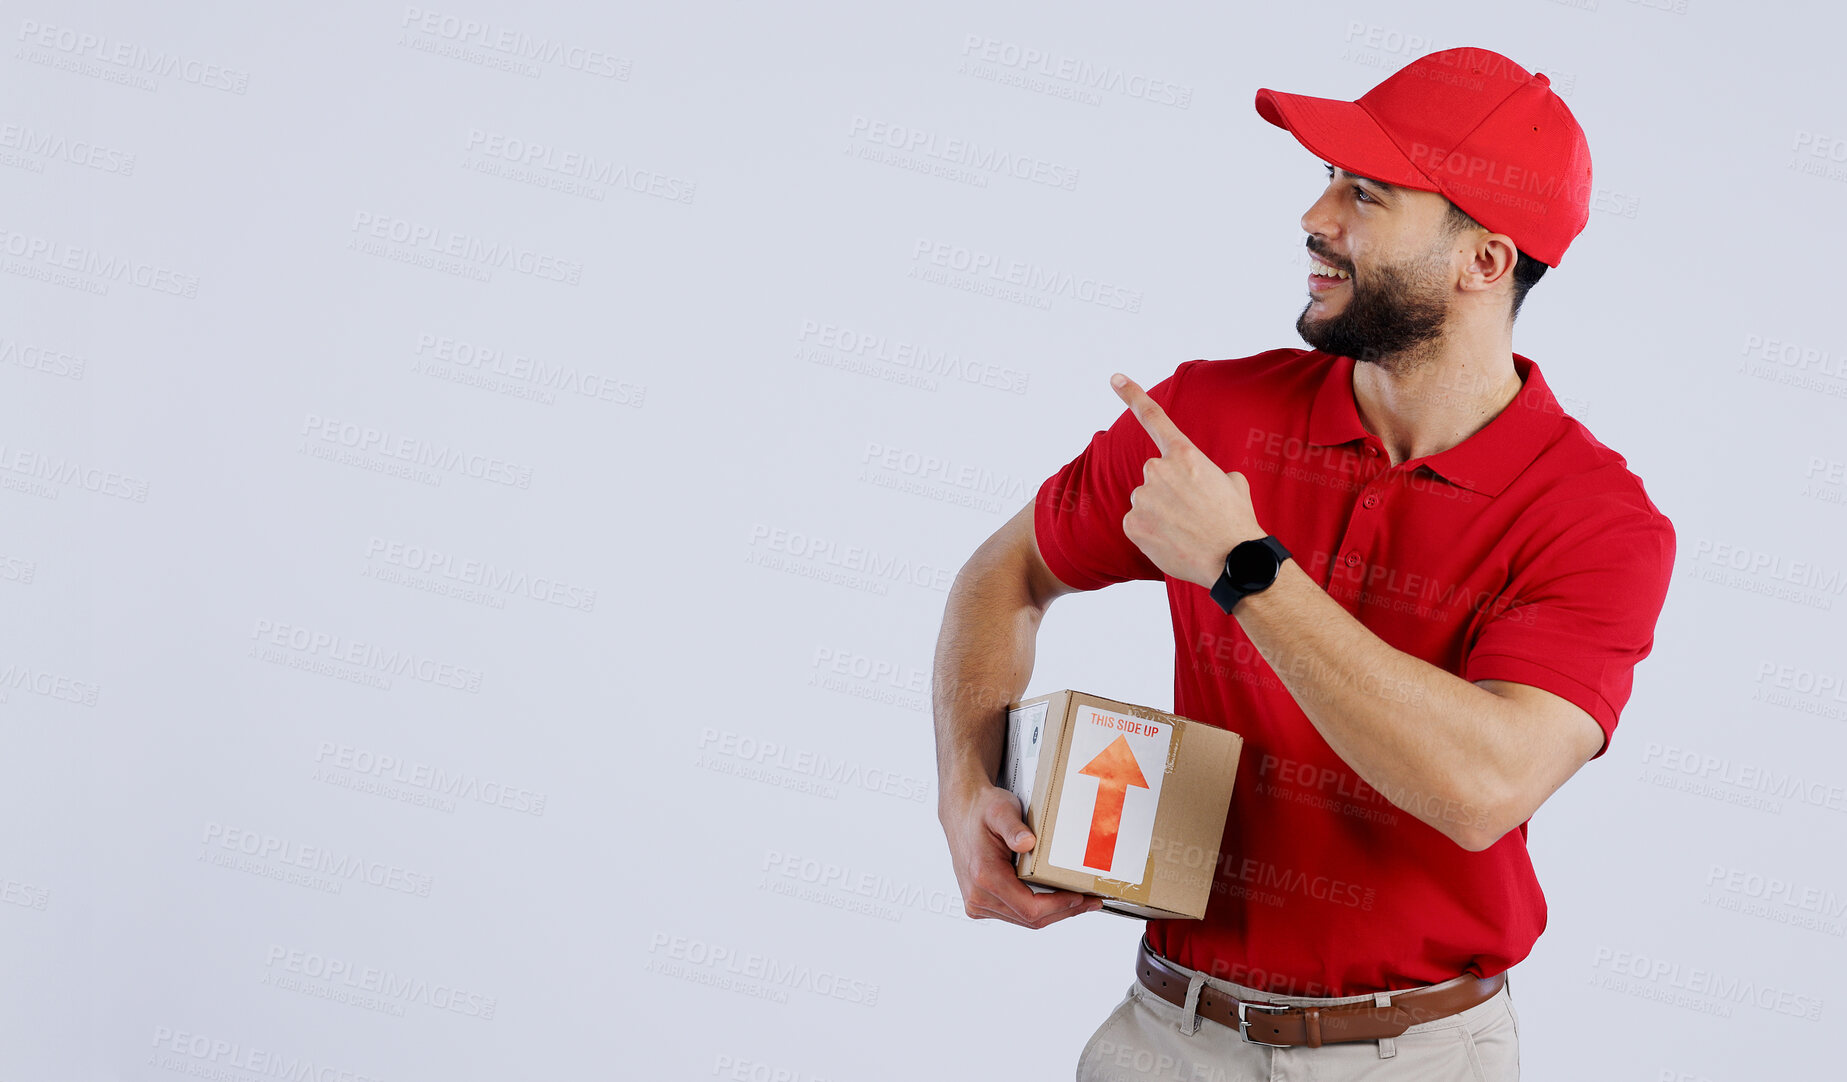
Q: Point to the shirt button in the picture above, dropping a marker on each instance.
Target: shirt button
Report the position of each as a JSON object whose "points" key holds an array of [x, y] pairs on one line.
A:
{"points": [[1353, 559], [1372, 499], [1372, 451]]}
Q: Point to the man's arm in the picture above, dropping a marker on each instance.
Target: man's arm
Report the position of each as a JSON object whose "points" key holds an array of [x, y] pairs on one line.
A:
{"points": [[1473, 760], [984, 659]]}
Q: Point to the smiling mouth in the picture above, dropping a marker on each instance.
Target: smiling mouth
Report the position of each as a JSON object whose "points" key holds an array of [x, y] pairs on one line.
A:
{"points": [[1327, 270], [1324, 277]]}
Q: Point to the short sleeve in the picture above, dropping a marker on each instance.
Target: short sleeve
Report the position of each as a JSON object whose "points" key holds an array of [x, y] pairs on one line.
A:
{"points": [[1078, 512], [1581, 615]]}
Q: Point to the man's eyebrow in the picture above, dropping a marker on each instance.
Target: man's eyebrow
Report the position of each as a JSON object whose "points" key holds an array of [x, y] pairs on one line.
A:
{"points": [[1379, 184]]}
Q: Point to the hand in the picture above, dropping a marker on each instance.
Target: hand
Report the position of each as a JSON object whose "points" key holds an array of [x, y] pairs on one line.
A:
{"points": [[1188, 514], [984, 831]]}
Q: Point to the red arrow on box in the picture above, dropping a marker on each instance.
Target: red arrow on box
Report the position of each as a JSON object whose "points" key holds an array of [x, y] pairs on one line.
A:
{"points": [[1115, 770]]}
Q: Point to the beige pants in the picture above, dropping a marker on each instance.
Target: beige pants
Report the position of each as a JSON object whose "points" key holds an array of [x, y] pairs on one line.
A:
{"points": [[1146, 1037]]}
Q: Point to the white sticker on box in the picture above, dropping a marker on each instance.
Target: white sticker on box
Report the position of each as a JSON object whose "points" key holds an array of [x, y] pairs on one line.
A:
{"points": [[1111, 787], [1025, 735]]}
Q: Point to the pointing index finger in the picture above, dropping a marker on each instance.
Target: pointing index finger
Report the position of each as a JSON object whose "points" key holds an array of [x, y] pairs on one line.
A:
{"points": [[1154, 419]]}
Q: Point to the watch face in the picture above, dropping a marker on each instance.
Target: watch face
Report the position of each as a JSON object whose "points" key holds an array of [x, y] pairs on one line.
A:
{"points": [[1251, 566]]}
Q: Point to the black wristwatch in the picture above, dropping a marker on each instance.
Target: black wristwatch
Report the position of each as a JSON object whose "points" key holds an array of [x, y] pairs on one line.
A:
{"points": [[1249, 568]]}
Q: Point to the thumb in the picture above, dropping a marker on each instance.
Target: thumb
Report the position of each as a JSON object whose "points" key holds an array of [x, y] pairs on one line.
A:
{"points": [[1004, 820]]}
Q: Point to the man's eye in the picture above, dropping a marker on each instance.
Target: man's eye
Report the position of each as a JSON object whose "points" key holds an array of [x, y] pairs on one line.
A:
{"points": [[1360, 194]]}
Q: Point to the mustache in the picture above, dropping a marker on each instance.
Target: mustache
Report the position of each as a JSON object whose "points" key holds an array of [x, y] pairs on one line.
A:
{"points": [[1326, 258]]}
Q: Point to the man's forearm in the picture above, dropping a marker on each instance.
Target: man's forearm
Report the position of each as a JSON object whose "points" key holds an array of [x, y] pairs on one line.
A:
{"points": [[1424, 738], [984, 659]]}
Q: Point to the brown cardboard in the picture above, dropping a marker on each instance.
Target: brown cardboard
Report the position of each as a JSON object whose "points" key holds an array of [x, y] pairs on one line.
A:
{"points": [[1188, 810]]}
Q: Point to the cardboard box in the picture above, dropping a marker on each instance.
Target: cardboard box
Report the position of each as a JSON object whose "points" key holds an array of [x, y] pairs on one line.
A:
{"points": [[1126, 802]]}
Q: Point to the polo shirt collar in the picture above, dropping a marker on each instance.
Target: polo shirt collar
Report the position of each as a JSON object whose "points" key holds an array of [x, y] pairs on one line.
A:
{"points": [[1486, 462]]}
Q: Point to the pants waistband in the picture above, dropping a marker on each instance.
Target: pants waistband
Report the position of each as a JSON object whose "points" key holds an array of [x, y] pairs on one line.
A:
{"points": [[1251, 992]]}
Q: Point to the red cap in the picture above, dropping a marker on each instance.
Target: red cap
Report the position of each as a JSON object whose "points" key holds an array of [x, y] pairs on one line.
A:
{"points": [[1490, 136]]}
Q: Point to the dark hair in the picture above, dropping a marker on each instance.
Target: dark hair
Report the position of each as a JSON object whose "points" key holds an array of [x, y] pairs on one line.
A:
{"points": [[1527, 270]]}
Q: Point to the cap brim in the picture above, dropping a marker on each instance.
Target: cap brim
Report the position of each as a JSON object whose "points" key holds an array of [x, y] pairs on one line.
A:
{"points": [[1341, 133]]}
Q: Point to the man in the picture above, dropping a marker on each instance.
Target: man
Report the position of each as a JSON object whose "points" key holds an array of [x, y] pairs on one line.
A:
{"points": [[1414, 585]]}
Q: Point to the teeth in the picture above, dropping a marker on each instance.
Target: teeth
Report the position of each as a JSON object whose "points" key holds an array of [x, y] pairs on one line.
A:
{"points": [[1324, 270]]}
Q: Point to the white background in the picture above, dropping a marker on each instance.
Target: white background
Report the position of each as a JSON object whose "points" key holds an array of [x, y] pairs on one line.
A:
{"points": [[718, 856]]}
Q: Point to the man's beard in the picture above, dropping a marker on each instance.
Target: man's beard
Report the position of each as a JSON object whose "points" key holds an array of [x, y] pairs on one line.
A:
{"points": [[1392, 314]]}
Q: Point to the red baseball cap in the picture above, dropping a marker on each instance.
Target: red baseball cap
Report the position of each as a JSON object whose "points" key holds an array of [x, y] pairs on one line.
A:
{"points": [[1470, 124]]}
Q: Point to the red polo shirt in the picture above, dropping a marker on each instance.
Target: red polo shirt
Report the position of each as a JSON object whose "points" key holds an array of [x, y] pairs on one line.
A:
{"points": [[1527, 552]]}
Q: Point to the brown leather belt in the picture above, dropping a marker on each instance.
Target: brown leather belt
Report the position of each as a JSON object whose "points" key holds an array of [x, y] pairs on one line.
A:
{"points": [[1286, 1026]]}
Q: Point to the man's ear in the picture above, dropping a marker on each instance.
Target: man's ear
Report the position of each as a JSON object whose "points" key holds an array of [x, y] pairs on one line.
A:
{"points": [[1492, 258]]}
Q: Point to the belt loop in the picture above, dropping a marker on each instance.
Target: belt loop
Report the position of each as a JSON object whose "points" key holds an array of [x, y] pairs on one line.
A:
{"points": [[1313, 1017], [1388, 1047], [1189, 1023]]}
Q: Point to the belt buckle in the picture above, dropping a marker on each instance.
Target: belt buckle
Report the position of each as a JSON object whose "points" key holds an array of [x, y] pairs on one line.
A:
{"points": [[1244, 1024]]}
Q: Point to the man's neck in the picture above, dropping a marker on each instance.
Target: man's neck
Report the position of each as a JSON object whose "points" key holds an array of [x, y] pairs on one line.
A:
{"points": [[1423, 405]]}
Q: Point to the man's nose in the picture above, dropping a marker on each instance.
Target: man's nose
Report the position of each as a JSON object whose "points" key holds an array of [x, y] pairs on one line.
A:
{"points": [[1319, 218]]}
